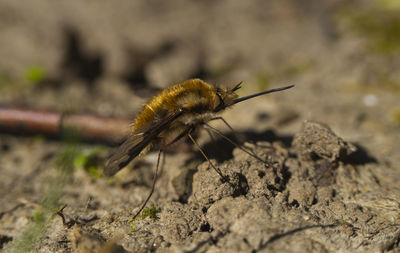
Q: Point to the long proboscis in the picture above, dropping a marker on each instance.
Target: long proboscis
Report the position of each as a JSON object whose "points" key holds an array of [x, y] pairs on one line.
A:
{"points": [[261, 93]]}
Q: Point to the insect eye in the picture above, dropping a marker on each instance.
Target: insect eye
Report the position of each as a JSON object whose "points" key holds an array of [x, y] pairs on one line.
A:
{"points": [[221, 103], [220, 98]]}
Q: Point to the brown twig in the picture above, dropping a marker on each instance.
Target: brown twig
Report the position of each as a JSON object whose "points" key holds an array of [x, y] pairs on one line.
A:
{"points": [[68, 224], [53, 124]]}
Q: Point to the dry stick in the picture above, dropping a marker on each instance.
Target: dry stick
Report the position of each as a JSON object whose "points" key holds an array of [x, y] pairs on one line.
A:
{"points": [[152, 187], [68, 224], [89, 127]]}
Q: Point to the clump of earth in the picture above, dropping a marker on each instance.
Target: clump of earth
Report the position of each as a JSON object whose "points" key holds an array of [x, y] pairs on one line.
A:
{"points": [[303, 196]]}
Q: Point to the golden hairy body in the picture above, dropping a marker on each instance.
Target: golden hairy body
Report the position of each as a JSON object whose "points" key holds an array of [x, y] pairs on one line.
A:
{"points": [[198, 99], [193, 95]]}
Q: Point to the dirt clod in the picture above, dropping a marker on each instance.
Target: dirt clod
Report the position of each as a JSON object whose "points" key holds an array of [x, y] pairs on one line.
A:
{"points": [[317, 141]]}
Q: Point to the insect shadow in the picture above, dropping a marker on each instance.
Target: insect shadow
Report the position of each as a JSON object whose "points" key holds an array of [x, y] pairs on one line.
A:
{"points": [[360, 157], [221, 150]]}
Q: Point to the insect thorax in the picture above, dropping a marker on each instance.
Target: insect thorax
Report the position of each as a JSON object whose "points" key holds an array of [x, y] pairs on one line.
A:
{"points": [[194, 96]]}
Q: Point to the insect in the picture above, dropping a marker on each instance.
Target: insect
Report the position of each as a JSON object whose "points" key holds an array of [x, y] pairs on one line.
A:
{"points": [[172, 114]]}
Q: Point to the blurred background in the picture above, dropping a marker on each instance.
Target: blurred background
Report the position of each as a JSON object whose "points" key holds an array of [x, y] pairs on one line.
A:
{"points": [[108, 57]]}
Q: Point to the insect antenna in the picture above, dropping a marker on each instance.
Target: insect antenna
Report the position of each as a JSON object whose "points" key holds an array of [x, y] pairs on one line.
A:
{"points": [[237, 86], [152, 187]]}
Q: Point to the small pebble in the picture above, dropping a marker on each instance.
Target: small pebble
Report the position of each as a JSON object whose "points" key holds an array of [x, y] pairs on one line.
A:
{"points": [[370, 100]]}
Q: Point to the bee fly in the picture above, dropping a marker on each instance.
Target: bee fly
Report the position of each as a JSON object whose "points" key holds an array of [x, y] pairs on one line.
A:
{"points": [[174, 113]]}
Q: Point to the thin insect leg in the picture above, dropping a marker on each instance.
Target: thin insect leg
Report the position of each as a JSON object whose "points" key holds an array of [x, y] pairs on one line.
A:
{"points": [[152, 187], [158, 163], [162, 164], [210, 134], [205, 156], [234, 143], [237, 135], [179, 136]]}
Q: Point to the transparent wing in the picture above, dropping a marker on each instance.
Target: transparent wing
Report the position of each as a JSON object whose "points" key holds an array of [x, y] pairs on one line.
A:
{"points": [[138, 141]]}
